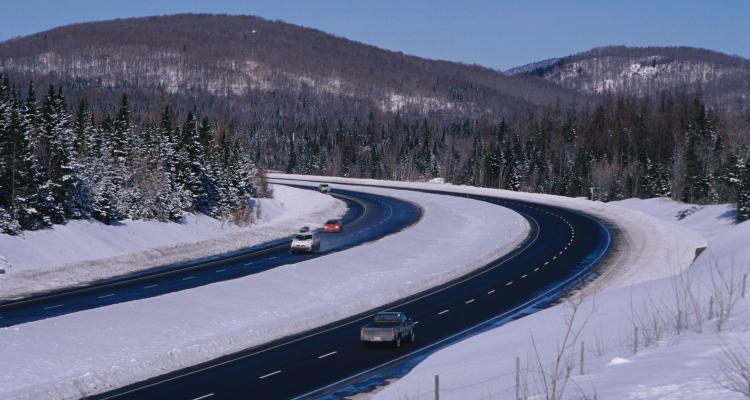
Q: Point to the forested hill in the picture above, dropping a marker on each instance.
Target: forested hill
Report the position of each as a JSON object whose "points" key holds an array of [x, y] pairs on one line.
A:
{"points": [[724, 80], [203, 57], [209, 97]]}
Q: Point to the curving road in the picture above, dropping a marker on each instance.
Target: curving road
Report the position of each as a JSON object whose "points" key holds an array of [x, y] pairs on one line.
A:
{"points": [[368, 218], [562, 248]]}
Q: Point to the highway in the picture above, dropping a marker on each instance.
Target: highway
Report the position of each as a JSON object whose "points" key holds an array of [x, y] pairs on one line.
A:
{"points": [[562, 248], [369, 217]]}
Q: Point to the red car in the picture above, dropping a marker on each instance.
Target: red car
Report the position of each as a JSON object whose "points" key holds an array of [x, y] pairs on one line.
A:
{"points": [[333, 226]]}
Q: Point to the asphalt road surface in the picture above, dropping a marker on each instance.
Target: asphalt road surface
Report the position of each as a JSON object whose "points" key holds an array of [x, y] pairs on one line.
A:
{"points": [[369, 218], [563, 247]]}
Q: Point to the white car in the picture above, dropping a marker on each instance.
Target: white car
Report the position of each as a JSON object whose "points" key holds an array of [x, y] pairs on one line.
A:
{"points": [[324, 188], [307, 242]]}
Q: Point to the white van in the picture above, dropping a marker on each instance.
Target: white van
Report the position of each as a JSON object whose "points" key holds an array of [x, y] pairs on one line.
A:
{"points": [[307, 242]]}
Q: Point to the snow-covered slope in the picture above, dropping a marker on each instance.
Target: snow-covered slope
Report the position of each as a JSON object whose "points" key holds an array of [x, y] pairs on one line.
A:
{"points": [[94, 350], [679, 351], [644, 71], [84, 251]]}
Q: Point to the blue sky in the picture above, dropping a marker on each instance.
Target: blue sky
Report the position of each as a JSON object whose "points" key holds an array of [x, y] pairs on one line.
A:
{"points": [[498, 34]]}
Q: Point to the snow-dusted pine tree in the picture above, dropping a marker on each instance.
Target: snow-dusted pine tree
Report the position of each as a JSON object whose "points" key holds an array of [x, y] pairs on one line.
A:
{"points": [[743, 194]]}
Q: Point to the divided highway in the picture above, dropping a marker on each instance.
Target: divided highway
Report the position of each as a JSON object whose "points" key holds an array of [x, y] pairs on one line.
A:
{"points": [[369, 218], [562, 248]]}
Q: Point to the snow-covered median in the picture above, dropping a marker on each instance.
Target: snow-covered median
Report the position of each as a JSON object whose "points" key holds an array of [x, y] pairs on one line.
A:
{"points": [[642, 338], [95, 350], [84, 251]]}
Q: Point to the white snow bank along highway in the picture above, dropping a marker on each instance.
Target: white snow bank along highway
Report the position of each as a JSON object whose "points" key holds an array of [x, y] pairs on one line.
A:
{"points": [[99, 349], [84, 251], [683, 344], [646, 249]]}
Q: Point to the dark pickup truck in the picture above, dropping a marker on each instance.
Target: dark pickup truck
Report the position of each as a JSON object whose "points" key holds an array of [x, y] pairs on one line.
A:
{"points": [[388, 327]]}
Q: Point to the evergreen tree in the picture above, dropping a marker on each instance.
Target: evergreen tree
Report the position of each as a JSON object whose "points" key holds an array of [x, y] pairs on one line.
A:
{"points": [[190, 165], [743, 194], [697, 186], [33, 204]]}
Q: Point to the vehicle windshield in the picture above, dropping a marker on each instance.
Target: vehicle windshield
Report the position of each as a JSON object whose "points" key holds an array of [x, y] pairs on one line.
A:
{"points": [[386, 320], [303, 237], [332, 221]]}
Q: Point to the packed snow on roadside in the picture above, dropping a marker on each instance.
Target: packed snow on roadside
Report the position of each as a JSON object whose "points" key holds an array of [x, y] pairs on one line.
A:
{"points": [[647, 247], [681, 350], [96, 350], [84, 251]]}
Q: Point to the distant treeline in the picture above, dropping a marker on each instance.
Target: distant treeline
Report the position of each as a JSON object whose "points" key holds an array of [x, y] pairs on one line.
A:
{"points": [[616, 148], [57, 165]]}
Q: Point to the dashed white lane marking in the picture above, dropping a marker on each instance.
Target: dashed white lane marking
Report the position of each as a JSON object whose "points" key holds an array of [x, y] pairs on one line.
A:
{"points": [[523, 276], [509, 283], [221, 270], [327, 354], [554, 258], [469, 301], [560, 253], [547, 263], [273, 258], [536, 269], [150, 286], [205, 396], [55, 306], [1, 317], [416, 322], [443, 312], [249, 264], [271, 374], [189, 277], [491, 291], [105, 296]]}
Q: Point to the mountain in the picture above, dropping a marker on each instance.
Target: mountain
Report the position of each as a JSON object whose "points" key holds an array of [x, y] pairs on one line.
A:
{"points": [[723, 79], [213, 58]]}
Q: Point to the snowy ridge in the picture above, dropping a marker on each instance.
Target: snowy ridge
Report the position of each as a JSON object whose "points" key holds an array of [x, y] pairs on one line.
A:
{"points": [[95, 350], [84, 251]]}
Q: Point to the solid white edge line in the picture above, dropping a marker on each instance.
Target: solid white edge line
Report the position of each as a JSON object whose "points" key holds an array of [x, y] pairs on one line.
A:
{"points": [[271, 374], [495, 318], [366, 317], [327, 354]]}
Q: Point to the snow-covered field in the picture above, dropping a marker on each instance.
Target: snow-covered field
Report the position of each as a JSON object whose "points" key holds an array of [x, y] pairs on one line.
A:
{"points": [[95, 350], [682, 349], [85, 251]]}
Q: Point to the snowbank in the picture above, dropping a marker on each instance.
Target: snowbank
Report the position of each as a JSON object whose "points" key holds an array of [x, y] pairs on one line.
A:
{"points": [[95, 350], [84, 251], [647, 248], [678, 352]]}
